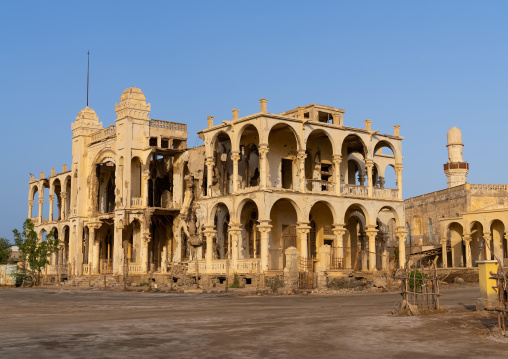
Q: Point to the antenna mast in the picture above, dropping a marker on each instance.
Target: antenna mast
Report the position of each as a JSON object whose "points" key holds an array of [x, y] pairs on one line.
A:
{"points": [[87, 78]]}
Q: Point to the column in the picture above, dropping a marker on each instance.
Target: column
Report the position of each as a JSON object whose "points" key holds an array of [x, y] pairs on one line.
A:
{"points": [[444, 253], [398, 172], [338, 242], [368, 165], [301, 163], [467, 244], [79, 249], [348, 251], [235, 231], [263, 168], [91, 240], [144, 182], [264, 228], [30, 207], [144, 252], [117, 250], [41, 201], [51, 199], [63, 207], [362, 238], [303, 231], [235, 157], [337, 159], [488, 246], [402, 235], [95, 256], [209, 233], [384, 259], [209, 176]]}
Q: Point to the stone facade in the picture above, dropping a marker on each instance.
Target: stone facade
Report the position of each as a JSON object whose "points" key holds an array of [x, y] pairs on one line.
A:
{"points": [[136, 199], [457, 218]]}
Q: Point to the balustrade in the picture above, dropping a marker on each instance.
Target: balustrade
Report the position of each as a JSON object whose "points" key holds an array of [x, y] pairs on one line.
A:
{"points": [[385, 193], [168, 125], [354, 190], [137, 201], [104, 133]]}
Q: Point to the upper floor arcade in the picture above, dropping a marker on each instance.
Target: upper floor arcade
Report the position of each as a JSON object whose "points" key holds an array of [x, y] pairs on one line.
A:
{"points": [[307, 149]]}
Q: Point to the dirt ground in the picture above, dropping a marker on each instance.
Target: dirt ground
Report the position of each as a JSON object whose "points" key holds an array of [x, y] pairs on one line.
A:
{"points": [[53, 323]]}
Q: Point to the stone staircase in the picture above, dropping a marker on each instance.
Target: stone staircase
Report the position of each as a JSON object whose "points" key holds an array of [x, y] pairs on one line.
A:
{"points": [[95, 281]]}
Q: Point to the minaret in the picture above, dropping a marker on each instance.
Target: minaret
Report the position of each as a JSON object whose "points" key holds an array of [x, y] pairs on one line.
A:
{"points": [[456, 169]]}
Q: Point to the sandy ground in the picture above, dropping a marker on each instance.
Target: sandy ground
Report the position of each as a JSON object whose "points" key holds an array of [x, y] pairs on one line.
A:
{"points": [[52, 323]]}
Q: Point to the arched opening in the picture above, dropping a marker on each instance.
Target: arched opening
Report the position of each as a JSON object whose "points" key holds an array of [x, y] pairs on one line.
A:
{"points": [[248, 167], [160, 181], [250, 246], [86, 246], [134, 242], [160, 249], [54, 256], [283, 149], [57, 201], [385, 243], [354, 151], [457, 256], [46, 204], [135, 178], [106, 248], [67, 200], [35, 207], [384, 158], [319, 162], [498, 241], [283, 218], [355, 240], [321, 224], [477, 253], [222, 242], [222, 179]]}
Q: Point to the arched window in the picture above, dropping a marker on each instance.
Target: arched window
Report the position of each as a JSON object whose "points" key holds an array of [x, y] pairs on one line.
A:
{"points": [[430, 229]]}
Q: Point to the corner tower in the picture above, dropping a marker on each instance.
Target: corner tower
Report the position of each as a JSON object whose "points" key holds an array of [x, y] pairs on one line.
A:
{"points": [[456, 169]]}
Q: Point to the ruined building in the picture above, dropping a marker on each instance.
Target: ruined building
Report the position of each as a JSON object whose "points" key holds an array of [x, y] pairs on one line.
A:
{"points": [[136, 199], [457, 219]]}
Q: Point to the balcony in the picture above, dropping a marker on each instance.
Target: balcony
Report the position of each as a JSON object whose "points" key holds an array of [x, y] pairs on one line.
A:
{"points": [[137, 202], [385, 193]]}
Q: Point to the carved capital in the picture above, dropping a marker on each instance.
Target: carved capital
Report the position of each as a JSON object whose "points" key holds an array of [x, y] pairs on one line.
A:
{"points": [[30, 203], [235, 157], [41, 200], [51, 198], [263, 150], [337, 159], [63, 195]]}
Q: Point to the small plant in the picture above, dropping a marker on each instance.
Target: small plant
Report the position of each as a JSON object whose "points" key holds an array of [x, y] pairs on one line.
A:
{"points": [[275, 284], [396, 253], [144, 284], [236, 282], [415, 280]]}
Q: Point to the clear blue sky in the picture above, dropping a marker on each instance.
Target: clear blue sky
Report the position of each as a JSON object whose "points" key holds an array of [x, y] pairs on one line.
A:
{"points": [[426, 65]]}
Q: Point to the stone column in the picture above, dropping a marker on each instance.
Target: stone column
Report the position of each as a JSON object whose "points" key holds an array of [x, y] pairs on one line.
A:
{"points": [[301, 162], [338, 242], [445, 254], [347, 250], [398, 172], [144, 252], [467, 244], [209, 233], [402, 235], [264, 228], [145, 176], [235, 231], [209, 176], [30, 207], [63, 207], [51, 199], [96, 255], [303, 231], [117, 250], [337, 159], [41, 201], [368, 165], [384, 259], [263, 167], [362, 238], [235, 157], [91, 240]]}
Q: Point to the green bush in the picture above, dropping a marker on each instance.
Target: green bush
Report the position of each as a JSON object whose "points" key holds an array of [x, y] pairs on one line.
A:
{"points": [[415, 280], [236, 282]]}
